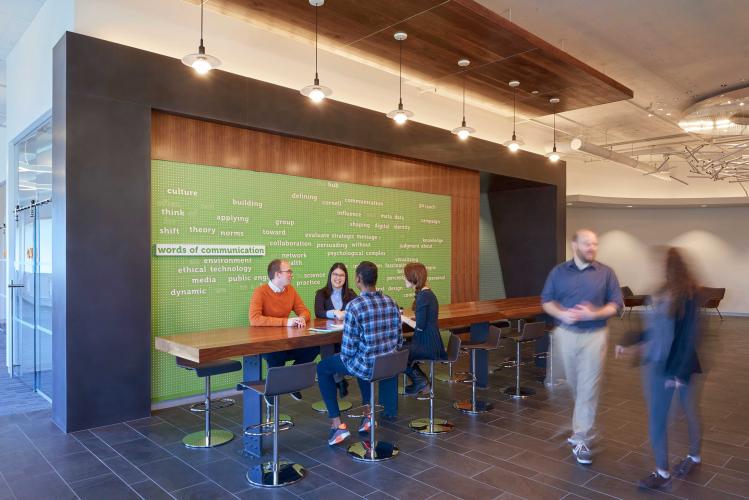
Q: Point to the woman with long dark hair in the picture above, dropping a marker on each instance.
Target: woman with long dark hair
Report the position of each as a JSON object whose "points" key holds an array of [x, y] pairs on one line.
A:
{"points": [[331, 300], [330, 303], [670, 355], [426, 342]]}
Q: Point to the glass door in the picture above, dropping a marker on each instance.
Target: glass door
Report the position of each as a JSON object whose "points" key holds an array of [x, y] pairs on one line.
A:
{"points": [[30, 260], [23, 299], [43, 295]]}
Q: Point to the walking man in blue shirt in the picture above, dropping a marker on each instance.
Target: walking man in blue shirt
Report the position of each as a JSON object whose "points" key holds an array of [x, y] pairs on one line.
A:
{"points": [[581, 295], [372, 326]]}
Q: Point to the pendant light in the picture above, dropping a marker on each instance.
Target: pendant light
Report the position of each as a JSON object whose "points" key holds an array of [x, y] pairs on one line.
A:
{"points": [[316, 92], [554, 156], [400, 115], [514, 144], [463, 131], [200, 61]]}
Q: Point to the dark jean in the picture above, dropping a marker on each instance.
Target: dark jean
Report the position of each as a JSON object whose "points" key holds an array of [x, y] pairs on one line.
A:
{"points": [[659, 403], [298, 356], [328, 368]]}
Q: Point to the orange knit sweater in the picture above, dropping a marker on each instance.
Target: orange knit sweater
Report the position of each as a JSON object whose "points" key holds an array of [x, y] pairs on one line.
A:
{"points": [[268, 308]]}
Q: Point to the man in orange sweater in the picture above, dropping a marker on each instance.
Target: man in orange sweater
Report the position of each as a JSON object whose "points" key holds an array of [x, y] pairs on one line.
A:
{"points": [[271, 305]]}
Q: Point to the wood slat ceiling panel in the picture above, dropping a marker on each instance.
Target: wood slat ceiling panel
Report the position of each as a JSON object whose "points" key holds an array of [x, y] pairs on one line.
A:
{"points": [[439, 33], [342, 21]]}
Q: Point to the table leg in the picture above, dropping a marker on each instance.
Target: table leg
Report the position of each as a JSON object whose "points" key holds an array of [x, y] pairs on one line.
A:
{"points": [[327, 350], [253, 405], [479, 332]]}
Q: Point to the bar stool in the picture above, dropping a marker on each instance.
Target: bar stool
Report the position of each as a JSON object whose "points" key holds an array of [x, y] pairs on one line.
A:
{"points": [[279, 380], [551, 380], [209, 437], [450, 377], [531, 332], [475, 406], [385, 366], [433, 425]]}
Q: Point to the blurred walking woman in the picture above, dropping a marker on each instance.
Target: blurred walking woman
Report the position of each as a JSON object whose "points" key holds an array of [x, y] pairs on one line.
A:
{"points": [[426, 342], [671, 339]]}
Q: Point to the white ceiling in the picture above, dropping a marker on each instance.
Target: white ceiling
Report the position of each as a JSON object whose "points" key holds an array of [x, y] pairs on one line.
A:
{"points": [[15, 16]]}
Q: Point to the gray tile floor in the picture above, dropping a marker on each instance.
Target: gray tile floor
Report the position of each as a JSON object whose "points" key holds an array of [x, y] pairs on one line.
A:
{"points": [[15, 396], [516, 451]]}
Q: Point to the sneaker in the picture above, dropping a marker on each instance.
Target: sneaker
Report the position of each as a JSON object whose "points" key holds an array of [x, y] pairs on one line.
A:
{"points": [[685, 467], [297, 395], [338, 435], [582, 453], [655, 482], [365, 425]]}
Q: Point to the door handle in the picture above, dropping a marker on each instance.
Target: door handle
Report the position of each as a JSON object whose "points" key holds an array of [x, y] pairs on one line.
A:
{"points": [[14, 285]]}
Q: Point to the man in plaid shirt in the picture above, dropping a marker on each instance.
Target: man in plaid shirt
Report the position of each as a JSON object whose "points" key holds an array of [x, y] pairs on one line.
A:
{"points": [[372, 327]]}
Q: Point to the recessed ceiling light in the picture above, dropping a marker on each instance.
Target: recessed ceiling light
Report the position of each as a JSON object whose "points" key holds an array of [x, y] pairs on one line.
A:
{"points": [[629, 206], [668, 114], [660, 109], [534, 91], [703, 206], [569, 204], [741, 104], [650, 115]]}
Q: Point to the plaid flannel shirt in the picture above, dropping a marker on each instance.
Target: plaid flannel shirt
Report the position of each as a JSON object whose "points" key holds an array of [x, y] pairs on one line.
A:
{"points": [[372, 326]]}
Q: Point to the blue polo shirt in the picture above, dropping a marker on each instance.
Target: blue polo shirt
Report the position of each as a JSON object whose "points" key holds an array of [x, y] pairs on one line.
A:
{"points": [[569, 286]]}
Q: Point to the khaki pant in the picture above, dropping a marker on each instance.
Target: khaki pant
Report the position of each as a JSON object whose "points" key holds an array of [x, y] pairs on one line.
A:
{"points": [[582, 356]]}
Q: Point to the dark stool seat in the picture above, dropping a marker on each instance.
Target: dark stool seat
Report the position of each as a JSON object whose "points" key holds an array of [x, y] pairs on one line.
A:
{"points": [[209, 437], [210, 368], [433, 425], [475, 406], [279, 380], [385, 366]]}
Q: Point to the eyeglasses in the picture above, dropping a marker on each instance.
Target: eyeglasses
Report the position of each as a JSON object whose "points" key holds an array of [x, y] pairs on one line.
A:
{"points": [[338, 275], [290, 271]]}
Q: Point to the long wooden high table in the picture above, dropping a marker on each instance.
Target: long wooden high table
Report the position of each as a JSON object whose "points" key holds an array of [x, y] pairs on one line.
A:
{"points": [[250, 342]]}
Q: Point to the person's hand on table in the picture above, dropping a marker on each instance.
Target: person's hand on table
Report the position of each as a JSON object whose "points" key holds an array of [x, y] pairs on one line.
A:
{"points": [[339, 315], [297, 322]]}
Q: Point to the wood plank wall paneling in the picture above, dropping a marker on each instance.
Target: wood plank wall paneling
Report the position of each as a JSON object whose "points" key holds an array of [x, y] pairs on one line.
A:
{"points": [[188, 140]]}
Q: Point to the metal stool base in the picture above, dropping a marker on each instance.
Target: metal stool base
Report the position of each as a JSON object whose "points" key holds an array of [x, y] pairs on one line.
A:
{"points": [[447, 379], [383, 451], [216, 404], [343, 405], [439, 426], [262, 474], [519, 392], [468, 408], [197, 439]]}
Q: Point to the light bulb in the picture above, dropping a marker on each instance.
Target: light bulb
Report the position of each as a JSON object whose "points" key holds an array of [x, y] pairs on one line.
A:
{"points": [[201, 65], [513, 146], [317, 94], [400, 117], [464, 134], [553, 157]]}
